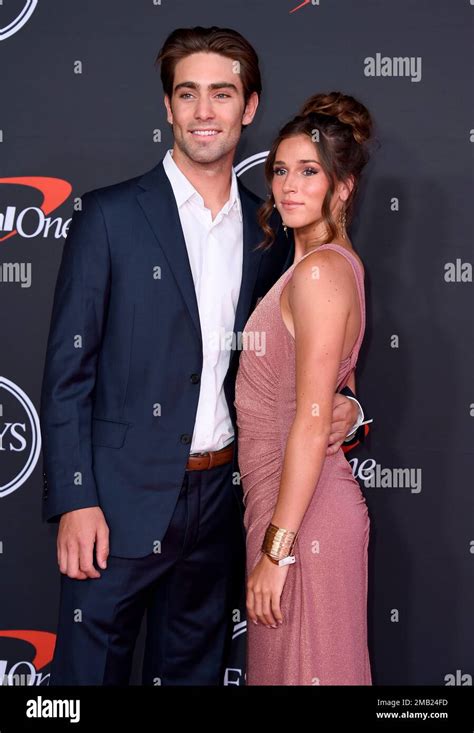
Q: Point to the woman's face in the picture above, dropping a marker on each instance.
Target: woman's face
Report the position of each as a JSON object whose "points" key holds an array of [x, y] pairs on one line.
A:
{"points": [[299, 183]]}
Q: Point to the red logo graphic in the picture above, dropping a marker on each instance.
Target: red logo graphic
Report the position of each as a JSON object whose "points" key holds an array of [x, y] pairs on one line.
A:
{"points": [[42, 641], [54, 191], [301, 5]]}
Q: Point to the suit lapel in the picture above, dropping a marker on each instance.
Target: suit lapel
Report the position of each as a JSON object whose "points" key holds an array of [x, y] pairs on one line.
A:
{"points": [[157, 200]]}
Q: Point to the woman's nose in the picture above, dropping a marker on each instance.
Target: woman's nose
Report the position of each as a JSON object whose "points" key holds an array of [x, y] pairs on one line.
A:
{"points": [[289, 184]]}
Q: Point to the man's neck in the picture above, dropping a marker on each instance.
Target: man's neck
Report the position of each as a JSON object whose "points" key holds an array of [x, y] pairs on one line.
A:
{"points": [[212, 180]]}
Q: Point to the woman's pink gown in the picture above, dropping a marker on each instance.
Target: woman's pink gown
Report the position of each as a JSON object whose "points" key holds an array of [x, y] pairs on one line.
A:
{"points": [[323, 639]]}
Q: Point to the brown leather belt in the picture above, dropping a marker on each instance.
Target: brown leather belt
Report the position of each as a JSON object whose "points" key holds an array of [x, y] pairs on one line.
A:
{"points": [[209, 459]]}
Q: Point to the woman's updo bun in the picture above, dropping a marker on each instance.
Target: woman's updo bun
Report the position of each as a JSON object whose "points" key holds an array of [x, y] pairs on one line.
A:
{"points": [[345, 108]]}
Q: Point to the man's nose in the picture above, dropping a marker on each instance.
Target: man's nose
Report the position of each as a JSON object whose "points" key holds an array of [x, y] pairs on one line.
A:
{"points": [[203, 109]]}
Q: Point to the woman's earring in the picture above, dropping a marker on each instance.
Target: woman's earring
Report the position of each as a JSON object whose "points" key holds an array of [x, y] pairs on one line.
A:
{"points": [[342, 222]]}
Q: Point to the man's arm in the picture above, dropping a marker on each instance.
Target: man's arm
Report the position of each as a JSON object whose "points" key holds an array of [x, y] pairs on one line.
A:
{"points": [[360, 428], [348, 426], [77, 323]]}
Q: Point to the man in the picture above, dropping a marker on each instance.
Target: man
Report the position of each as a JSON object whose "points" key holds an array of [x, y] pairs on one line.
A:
{"points": [[137, 406]]}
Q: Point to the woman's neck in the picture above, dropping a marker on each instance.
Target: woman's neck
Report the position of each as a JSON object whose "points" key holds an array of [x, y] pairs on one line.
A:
{"points": [[305, 246]]}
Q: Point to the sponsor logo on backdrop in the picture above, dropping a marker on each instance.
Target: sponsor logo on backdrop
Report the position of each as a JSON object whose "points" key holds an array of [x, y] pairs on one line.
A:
{"points": [[234, 676], [303, 3], [239, 628], [34, 221], [20, 436], [250, 162], [19, 20], [15, 670]]}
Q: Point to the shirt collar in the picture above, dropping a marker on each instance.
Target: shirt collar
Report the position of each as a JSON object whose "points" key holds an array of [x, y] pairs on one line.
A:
{"points": [[183, 189]]}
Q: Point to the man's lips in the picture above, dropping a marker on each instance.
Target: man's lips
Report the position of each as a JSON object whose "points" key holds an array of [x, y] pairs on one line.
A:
{"points": [[204, 132]]}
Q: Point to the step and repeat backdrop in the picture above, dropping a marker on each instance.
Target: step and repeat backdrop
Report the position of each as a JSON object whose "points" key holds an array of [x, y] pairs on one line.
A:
{"points": [[82, 107]]}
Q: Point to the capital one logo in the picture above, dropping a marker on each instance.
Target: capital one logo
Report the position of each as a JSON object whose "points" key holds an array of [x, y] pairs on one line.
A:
{"points": [[20, 436], [33, 651], [19, 21], [33, 221]]}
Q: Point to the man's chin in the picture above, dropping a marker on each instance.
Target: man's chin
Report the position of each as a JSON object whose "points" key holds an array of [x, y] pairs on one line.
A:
{"points": [[206, 156], [205, 153]]}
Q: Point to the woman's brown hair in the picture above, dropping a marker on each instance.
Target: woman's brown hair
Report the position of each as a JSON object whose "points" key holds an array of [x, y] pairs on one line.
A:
{"points": [[339, 127], [183, 42]]}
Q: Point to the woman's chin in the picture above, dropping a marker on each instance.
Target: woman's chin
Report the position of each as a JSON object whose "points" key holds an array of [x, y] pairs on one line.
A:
{"points": [[298, 222]]}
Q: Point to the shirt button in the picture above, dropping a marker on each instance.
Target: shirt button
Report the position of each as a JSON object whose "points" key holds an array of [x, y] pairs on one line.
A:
{"points": [[186, 438], [195, 378]]}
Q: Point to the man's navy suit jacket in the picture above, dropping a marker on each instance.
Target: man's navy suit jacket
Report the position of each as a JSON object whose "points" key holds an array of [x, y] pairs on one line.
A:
{"points": [[124, 357]]}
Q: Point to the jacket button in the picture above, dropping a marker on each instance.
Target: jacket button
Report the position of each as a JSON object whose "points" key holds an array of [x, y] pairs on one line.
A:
{"points": [[195, 378], [185, 438]]}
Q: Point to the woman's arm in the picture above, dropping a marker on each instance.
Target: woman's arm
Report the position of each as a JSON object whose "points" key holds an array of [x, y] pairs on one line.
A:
{"points": [[321, 292]]}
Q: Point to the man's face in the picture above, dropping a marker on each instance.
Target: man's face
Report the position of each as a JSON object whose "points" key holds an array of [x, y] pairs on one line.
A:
{"points": [[207, 108]]}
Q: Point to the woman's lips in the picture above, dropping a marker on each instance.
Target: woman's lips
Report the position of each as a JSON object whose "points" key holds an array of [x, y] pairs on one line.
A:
{"points": [[290, 205]]}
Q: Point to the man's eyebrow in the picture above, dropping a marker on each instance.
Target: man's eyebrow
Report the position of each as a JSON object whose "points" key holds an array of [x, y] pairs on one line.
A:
{"points": [[215, 85]]}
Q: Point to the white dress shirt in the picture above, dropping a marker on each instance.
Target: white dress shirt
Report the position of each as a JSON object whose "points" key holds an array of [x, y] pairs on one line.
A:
{"points": [[215, 252]]}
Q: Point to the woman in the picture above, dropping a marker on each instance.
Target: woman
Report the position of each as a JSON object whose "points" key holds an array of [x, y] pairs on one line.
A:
{"points": [[306, 518]]}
